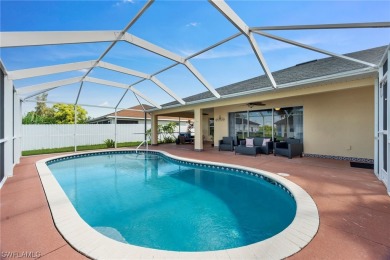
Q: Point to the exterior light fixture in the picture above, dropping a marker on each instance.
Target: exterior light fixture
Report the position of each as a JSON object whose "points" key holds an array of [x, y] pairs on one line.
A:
{"points": [[220, 118]]}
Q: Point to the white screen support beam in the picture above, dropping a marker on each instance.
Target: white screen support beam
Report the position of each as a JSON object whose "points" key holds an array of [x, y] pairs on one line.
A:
{"points": [[151, 47], [230, 15], [125, 86], [20, 39], [118, 37], [124, 70], [120, 85], [106, 82], [136, 92], [314, 48], [48, 85], [167, 90], [324, 26], [214, 45], [199, 76], [47, 70], [261, 59]]}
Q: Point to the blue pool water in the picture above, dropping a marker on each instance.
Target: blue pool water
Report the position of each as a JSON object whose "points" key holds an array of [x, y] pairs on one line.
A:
{"points": [[153, 201]]}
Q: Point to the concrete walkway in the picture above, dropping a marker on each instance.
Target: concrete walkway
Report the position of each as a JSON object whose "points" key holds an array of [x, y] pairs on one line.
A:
{"points": [[353, 205]]}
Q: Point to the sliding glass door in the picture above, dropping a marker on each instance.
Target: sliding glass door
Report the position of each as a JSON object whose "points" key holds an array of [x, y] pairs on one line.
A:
{"points": [[278, 124], [260, 123], [288, 123]]}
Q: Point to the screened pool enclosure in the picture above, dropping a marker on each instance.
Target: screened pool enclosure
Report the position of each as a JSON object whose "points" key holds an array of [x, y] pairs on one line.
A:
{"points": [[160, 63]]}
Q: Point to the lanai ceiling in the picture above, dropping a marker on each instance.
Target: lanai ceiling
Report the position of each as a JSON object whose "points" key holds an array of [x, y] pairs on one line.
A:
{"points": [[151, 82]]}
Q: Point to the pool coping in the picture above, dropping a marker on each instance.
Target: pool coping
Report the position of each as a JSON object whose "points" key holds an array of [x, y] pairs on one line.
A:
{"points": [[93, 244]]}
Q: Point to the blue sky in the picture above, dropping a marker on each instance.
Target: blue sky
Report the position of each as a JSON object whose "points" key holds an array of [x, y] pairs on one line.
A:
{"points": [[183, 27]]}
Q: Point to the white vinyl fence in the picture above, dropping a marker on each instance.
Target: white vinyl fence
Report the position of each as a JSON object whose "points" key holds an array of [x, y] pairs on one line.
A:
{"points": [[36, 137], [55, 136]]}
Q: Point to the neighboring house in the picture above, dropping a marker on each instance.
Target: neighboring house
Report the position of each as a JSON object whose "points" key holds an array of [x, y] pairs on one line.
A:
{"points": [[135, 115], [242, 126]]}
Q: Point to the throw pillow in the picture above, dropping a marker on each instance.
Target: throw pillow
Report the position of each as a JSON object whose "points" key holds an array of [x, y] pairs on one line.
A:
{"points": [[265, 141], [249, 142]]}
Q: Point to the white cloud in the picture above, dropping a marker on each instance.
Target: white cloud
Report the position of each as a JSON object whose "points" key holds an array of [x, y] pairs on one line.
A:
{"points": [[122, 2], [105, 103], [193, 24], [83, 70]]}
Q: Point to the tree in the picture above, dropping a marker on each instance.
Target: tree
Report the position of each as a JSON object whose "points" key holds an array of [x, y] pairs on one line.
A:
{"points": [[42, 113], [33, 118], [41, 109], [64, 114], [58, 114]]}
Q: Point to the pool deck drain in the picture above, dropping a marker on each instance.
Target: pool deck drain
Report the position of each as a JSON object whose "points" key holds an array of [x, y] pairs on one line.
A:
{"points": [[93, 244]]}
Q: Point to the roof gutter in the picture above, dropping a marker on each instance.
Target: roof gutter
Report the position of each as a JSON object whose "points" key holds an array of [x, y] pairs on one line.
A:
{"points": [[344, 75]]}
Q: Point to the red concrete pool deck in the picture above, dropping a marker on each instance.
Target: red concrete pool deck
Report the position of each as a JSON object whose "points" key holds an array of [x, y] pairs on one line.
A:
{"points": [[353, 205]]}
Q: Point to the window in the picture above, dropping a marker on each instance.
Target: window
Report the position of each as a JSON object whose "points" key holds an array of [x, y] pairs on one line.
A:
{"points": [[130, 122], [211, 125], [240, 125]]}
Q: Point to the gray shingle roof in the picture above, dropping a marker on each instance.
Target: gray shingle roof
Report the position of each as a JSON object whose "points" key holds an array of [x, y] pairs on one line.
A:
{"points": [[303, 71]]}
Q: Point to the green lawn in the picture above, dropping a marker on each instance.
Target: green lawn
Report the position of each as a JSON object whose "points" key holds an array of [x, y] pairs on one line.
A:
{"points": [[79, 148]]}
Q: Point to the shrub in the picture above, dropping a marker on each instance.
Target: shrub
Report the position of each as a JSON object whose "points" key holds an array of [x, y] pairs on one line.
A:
{"points": [[169, 139], [109, 143]]}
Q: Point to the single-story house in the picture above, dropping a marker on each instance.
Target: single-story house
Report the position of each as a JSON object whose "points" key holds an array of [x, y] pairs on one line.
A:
{"points": [[136, 115], [336, 107]]}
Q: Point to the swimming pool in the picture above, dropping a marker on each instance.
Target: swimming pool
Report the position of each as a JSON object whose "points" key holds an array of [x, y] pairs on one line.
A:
{"points": [[153, 201], [127, 215]]}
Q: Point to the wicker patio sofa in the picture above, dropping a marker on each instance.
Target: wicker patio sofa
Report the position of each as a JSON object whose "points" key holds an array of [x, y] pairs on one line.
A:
{"points": [[289, 148], [259, 146]]}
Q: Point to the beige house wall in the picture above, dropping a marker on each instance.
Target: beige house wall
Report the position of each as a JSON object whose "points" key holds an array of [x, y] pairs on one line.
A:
{"points": [[338, 118], [340, 123]]}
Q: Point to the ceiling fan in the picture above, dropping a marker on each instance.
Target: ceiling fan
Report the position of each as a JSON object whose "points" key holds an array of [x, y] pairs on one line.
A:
{"points": [[252, 104]]}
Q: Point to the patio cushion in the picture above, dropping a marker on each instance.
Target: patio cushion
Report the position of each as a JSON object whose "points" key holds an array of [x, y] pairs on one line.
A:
{"points": [[257, 141], [249, 142], [226, 140], [265, 141]]}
